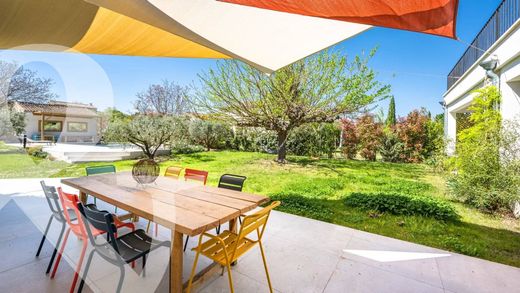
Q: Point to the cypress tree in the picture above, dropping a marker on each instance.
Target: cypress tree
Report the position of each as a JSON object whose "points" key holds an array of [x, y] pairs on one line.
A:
{"points": [[390, 118]]}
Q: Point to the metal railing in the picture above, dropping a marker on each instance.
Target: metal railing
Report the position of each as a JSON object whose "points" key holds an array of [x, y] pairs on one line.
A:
{"points": [[507, 13]]}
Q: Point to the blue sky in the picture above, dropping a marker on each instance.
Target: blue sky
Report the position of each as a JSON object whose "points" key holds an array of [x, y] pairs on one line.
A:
{"points": [[415, 65]]}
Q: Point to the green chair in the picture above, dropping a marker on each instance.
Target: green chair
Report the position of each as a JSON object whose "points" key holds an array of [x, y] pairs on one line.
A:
{"points": [[96, 170]]}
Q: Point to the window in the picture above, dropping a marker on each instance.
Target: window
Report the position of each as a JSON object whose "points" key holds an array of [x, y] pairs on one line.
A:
{"points": [[77, 126], [50, 126]]}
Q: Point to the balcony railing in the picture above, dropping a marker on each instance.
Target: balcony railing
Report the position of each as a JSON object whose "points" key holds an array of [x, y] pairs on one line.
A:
{"points": [[507, 13]]}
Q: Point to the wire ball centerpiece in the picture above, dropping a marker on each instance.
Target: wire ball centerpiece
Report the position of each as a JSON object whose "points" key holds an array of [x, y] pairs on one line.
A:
{"points": [[145, 171]]}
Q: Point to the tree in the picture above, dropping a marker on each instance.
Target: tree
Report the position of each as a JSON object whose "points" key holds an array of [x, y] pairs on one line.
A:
{"points": [[164, 98], [148, 132], [317, 89], [209, 134], [369, 133], [390, 118], [487, 164], [412, 130], [350, 138], [24, 85]]}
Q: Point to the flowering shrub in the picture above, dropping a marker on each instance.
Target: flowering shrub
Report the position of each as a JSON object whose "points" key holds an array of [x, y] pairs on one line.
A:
{"points": [[350, 138], [412, 132], [369, 133]]}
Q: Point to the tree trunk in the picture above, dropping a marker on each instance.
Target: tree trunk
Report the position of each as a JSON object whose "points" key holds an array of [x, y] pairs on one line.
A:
{"points": [[282, 146]]}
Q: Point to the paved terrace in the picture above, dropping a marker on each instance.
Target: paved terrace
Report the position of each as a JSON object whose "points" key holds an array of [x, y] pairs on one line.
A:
{"points": [[304, 255]]}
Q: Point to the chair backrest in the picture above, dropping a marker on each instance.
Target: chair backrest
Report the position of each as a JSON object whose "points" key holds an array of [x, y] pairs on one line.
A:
{"points": [[173, 171], [233, 182], [197, 175], [70, 202], [102, 221], [53, 200], [93, 170]]}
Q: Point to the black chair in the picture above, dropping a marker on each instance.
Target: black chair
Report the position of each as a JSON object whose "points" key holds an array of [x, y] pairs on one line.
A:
{"points": [[227, 181], [117, 251], [233, 182]]}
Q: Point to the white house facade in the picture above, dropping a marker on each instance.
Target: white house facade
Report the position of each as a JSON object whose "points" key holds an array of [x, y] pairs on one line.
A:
{"points": [[493, 57], [60, 121]]}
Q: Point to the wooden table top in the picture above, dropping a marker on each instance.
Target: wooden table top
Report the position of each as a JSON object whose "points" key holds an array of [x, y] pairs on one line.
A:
{"points": [[186, 207]]}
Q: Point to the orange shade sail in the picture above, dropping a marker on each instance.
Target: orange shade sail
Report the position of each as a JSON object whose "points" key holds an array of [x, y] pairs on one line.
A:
{"points": [[436, 17]]}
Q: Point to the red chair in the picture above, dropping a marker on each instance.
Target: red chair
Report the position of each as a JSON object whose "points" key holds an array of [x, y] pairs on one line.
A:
{"points": [[197, 175], [70, 202]]}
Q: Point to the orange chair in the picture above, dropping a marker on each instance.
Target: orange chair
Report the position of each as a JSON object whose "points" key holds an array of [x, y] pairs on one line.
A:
{"points": [[197, 175], [173, 172], [70, 202]]}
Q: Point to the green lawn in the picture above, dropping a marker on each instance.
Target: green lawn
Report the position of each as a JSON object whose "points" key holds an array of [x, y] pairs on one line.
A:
{"points": [[316, 189]]}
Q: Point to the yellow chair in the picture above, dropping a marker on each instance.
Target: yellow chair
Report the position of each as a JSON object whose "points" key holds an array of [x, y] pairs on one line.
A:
{"points": [[173, 172], [228, 246]]}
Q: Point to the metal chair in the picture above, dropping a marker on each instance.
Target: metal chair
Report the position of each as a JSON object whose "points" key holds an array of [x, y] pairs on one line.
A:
{"points": [[227, 247], [117, 250], [173, 172], [104, 169], [70, 202], [51, 196], [196, 175], [231, 181]]}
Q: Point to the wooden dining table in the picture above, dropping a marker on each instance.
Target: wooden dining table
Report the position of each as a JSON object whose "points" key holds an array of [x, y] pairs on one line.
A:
{"points": [[186, 208]]}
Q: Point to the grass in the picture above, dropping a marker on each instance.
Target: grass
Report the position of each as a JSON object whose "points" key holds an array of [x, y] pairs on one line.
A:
{"points": [[318, 188]]}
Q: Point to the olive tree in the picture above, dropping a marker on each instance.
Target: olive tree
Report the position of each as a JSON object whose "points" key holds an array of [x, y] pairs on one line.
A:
{"points": [[148, 132], [317, 89]]}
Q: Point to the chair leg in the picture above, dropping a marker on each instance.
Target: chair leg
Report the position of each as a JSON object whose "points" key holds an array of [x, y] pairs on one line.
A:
{"points": [[44, 236], [60, 253], [265, 266], [192, 275], [80, 288], [217, 229], [144, 264], [121, 278], [230, 278], [186, 243], [156, 229], [78, 268], [53, 256]]}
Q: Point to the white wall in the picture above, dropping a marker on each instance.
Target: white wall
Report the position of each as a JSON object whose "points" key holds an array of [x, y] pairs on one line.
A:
{"points": [[459, 96]]}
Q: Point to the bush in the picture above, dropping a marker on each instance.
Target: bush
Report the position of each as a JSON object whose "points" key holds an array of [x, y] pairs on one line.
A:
{"points": [[212, 135], [403, 205], [369, 133], [391, 148], [296, 204], [350, 138], [486, 170], [412, 132], [185, 148], [314, 139], [37, 152]]}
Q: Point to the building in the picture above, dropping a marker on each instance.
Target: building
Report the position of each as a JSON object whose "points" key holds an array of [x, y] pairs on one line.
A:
{"points": [[493, 57], [60, 121]]}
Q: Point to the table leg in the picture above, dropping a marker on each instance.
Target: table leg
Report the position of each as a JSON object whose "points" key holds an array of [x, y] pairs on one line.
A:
{"points": [[233, 225], [176, 262], [83, 197]]}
